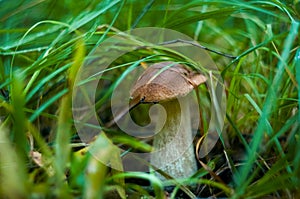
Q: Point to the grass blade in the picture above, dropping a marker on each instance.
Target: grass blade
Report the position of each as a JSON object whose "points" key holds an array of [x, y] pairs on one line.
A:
{"points": [[266, 111], [62, 145]]}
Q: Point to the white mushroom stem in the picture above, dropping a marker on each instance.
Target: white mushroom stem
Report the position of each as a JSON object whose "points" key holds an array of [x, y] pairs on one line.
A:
{"points": [[173, 145]]}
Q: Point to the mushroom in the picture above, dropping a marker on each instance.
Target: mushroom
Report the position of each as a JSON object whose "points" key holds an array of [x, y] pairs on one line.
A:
{"points": [[168, 83]]}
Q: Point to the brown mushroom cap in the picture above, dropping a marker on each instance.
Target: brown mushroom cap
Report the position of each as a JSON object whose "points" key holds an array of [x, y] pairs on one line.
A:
{"points": [[165, 81]]}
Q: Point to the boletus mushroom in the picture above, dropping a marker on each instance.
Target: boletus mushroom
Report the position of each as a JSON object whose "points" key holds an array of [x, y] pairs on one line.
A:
{"points": [[168, 84]]}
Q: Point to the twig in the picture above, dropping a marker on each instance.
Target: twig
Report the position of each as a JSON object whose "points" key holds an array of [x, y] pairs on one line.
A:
{"points": [[197, 45]]}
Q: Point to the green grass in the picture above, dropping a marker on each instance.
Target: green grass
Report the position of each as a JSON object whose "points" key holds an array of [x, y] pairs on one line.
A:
{"points": [[43, 44]]}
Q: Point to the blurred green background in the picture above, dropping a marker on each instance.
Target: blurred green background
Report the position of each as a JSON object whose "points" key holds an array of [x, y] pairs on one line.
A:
{"points": [[42, 45]]}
